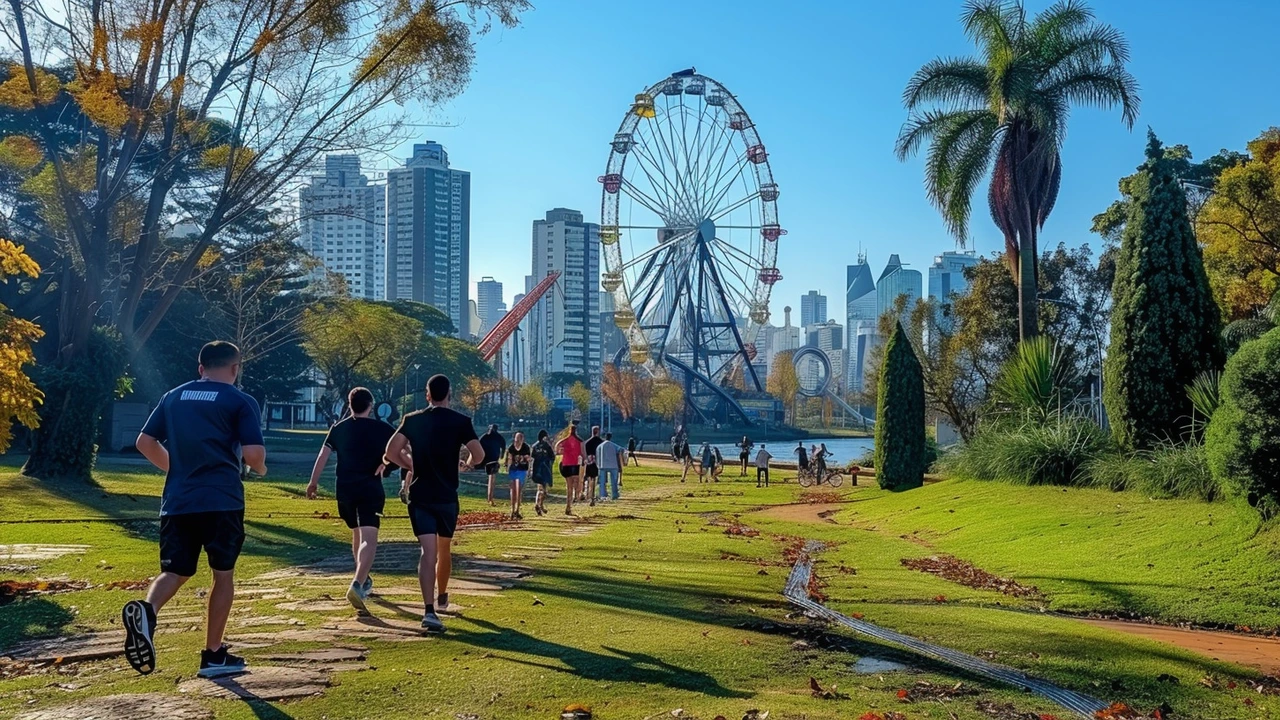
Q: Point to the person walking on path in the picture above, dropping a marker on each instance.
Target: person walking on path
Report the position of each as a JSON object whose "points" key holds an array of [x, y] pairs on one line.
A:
{"points": [[428, 444], [686, 459], [707, 462], [744, 454], [762, 466], [518, 456], [717, 464], [570, 450], [198, 434], [631, 451], [544, 456], [494, 446], [592, 469], [360, 442], [803, 462], [610, 458]]}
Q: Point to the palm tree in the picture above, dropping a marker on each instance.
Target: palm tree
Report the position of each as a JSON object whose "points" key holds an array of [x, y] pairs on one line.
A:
{"points": [[1010, 107]]}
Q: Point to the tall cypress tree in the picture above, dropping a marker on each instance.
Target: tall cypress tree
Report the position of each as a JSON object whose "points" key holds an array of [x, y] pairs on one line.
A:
{"points": [[900, 443], [1165, 326]]}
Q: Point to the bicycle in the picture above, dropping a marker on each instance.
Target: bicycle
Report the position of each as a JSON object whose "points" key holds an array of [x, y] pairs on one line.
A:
{"points": [[808, 477]]}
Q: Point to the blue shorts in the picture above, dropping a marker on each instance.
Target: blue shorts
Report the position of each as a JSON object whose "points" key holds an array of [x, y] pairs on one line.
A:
{"points": [[518, 476]]}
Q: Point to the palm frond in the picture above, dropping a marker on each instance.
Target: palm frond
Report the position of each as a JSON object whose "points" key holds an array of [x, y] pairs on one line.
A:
{"points": [[1060, 19], [1102, 87], [1096, 44], [925, 125], [992, 25], [947, 81], [956, 162]]}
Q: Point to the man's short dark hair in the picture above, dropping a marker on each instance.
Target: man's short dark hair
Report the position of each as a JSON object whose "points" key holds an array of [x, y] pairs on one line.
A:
{"points": [[360, 399], [437, 388], [219, 354], [608, 436]]}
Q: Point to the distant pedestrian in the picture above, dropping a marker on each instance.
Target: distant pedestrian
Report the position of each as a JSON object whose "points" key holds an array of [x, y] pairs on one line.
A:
{"points": [[570, 450], [199, 434], [544, 456], [762, 466], [631, 451], [610, 458], [803, 462], [360, 442], [494, 445], [704, 469], [591, 472], [518, 458], [717, 464], [744, 453], [686, 459]]}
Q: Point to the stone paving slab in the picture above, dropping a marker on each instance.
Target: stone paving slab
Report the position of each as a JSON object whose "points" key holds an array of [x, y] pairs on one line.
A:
{"points": [[125, 707], [77, 648], [261, 683]]}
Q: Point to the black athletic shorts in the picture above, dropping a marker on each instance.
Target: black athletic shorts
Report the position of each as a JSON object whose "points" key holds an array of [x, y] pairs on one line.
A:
{"points": [[593, 471], [568, 471], [491, 468], [362, 512], [433, 518], [220, 534]]}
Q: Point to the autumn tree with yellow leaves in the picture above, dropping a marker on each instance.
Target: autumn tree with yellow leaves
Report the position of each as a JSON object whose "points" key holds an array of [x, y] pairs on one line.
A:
{"points": [[19, 397], [211, 110]]}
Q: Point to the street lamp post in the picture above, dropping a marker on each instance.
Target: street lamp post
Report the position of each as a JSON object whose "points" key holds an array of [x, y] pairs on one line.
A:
{"points": [[415, 383]]}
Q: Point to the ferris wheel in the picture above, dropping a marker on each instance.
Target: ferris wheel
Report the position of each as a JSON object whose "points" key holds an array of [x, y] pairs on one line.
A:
{"points": [[689, 227]]}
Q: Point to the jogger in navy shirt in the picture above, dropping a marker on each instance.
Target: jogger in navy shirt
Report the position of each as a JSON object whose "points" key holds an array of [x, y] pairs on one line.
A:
{"points": [[199, 434]]}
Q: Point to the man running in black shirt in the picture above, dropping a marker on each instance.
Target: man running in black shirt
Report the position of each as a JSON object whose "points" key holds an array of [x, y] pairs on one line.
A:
{"points": [[359, 442], [427, 444], [631, 451], [198, 435], [494, 445], [593, 466], [518, 457]]}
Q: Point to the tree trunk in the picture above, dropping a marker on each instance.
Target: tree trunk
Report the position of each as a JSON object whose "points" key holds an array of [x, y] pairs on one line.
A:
{"points": [[1028, 292]]}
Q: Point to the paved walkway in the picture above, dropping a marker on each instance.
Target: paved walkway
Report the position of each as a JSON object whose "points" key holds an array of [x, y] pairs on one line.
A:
{"points": [[797, 591]]}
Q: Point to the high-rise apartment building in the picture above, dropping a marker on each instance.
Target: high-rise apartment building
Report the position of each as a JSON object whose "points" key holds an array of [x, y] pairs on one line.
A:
{"points": [[489, 304], [429, 234], [564, 334], [861, 317], [896, 281], [813, 308], [946, 278], [343, 225]]}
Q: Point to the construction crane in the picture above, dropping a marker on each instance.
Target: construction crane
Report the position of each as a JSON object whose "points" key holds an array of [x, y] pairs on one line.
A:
{"points": [[493, 341]]}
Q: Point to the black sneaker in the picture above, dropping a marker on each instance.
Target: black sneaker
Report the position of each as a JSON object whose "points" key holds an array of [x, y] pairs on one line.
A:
{"points": [[431, 623], [217, 663], [139, 620]]}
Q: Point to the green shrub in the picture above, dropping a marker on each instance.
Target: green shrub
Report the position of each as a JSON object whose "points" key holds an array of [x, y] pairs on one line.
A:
{"points": [[1169, 471], [900, 459], [1054, 452], [1243, 438], [1032, 382]]}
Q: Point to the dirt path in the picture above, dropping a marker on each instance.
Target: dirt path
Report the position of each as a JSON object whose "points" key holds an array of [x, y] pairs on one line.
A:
{"points": [[1259, 652], [801, 512]]}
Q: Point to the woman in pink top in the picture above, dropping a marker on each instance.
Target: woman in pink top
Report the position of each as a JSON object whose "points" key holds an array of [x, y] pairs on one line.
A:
{"points": [[570, 450]]}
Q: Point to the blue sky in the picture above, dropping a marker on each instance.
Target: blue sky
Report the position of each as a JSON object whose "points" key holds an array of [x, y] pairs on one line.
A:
{"points": [[822, 81]]}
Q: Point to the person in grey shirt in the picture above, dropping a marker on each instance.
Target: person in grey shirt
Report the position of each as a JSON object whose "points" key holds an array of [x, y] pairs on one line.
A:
{"points": [[609, 459]]}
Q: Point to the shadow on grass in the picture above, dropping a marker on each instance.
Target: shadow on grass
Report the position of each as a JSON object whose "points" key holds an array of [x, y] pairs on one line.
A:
{"points": [[615, 665], [31, 617], [260, 708]]}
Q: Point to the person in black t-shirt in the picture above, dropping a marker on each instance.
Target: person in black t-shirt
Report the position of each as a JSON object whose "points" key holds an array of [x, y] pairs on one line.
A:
{"points": [[428, 443], [631, 451], [359, 442], [592, 474], [544, 457], [518, 456], [494, 445]]}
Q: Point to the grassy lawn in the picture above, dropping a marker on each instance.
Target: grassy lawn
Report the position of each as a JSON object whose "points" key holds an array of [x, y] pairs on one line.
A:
{"points": [[647, 606]]}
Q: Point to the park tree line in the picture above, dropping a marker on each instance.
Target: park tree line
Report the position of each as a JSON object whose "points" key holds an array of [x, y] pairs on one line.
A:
{"points": [[120, 118]]}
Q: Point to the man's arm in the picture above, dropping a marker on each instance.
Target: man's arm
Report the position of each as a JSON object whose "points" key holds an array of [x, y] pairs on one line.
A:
{"points": [[321, 460], [475, 454], [255, 456], [152, 450], [397, 452]]}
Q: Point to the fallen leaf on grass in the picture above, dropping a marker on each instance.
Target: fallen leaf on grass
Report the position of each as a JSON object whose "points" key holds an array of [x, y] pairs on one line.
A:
{"points": [[536, 601], [824, 693], [966, 573]]}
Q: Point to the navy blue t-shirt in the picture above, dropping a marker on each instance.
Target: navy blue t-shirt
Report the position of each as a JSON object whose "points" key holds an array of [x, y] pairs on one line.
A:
{"points": [[203, 424]]}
